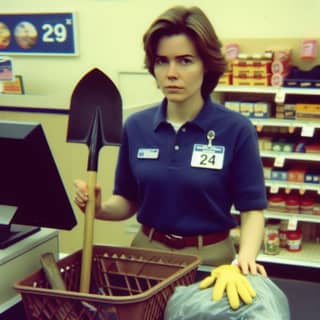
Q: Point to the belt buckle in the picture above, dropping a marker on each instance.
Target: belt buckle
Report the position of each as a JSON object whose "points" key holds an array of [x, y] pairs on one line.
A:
{"points": [[174, 241]]}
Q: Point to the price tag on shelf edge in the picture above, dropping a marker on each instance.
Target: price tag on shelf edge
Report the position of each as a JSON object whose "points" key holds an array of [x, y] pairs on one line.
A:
{"points": [[274, 189], [280, 96], [307, 131], [292, 223], [279, 161]]}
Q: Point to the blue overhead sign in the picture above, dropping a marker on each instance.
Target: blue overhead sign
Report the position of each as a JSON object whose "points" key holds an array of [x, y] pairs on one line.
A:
{"points": [[38, 33]]}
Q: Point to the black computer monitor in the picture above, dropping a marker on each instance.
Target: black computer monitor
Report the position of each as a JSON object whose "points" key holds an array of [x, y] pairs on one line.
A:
{"points": [[32, 194]]}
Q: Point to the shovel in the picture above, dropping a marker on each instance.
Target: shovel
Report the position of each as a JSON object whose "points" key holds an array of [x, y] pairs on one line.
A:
{"points": [[95, 119]]}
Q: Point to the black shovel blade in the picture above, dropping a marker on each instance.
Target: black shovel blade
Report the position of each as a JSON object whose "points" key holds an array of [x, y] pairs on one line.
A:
{"points": [[95, 99]]}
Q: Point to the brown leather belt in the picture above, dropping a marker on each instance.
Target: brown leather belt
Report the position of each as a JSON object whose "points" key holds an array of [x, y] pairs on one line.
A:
{"points": [[180, 242]]}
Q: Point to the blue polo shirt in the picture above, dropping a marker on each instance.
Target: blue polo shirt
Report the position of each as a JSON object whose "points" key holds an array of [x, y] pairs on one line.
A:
{"points": [[154, 170]]}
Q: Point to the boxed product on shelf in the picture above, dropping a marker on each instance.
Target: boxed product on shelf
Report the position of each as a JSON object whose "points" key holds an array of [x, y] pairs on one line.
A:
{"points": [[296, 175], [233, 105], [251, 67], [278, 174], [286, 111], [262, 110], [267, 172], [244, 80], [311, 177], [308, 49], [246, 108], [303, 79], [307, 111], [265, 143], [282, 146], [312, 148], [225, 79]]}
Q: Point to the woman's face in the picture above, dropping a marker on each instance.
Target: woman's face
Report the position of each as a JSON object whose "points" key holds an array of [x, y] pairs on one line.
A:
{"points": [[178, 69]]}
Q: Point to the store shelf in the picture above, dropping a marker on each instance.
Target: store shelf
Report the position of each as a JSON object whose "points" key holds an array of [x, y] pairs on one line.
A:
{"points": [[287, 216], [267, 90], [291, 155], [273, 184], [309, 256], [272, 122]]}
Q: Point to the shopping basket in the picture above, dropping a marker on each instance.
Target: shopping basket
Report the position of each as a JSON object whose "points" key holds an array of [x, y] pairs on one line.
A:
{"points": [[126, 284]]}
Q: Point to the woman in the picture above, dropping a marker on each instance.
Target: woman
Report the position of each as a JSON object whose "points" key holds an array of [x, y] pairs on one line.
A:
{"points": [[185, 162]]}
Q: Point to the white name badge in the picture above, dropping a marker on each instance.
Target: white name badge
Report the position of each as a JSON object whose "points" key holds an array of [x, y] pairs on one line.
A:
{"points": [[209, 157], [148, 153]]}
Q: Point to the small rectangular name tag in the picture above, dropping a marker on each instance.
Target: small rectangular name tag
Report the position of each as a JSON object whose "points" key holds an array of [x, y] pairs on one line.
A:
{"points": [[148, 153]]}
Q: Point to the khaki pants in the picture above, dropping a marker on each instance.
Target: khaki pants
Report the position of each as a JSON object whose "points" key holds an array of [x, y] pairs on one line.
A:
{"points": [[212, 255]]}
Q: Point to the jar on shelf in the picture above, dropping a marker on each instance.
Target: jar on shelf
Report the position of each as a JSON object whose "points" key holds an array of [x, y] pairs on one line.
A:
{"points": [[277, 202], [271, 239], [283, 233], [294, 240], [316, 209], [292, 203], [306, 205]]}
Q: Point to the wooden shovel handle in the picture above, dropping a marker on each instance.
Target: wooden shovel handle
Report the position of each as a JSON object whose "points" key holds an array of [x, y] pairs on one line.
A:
{"points": [[52, 271], [88, 234]]}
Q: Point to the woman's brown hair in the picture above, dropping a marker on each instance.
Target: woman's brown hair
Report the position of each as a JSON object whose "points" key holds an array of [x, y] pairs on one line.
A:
{"points": [[195, 24]]}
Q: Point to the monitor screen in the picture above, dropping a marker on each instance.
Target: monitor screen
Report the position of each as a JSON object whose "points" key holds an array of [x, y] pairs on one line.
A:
{"points": [[31, 189]]}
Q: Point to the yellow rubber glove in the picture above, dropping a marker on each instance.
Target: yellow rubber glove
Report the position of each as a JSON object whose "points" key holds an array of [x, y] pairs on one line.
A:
{"points": [[230, 279]]}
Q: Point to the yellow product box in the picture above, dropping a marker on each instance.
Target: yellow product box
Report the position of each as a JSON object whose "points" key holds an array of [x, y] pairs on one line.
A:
{"points": [[261, 81], [246, 108], [251, 68], [241, 81], [251, 81], [262, 110], [308, 108], [280, 115], [289, 106], [225, 79], [267, 172], [289, 114], [265, 143], [280, 108], [233, 105], [307, 111], [296, 175]]}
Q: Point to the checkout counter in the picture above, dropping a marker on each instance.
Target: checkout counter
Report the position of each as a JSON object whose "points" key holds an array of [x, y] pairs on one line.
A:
{"points": [[18, 261]]}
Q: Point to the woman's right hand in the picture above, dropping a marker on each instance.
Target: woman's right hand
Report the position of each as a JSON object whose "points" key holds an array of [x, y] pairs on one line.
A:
{"points": [[81, 195]]}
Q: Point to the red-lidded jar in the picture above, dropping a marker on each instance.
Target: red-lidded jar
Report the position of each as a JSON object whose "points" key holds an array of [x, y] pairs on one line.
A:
{"points": [[306, 205], [316, 209], [294, 240], [292, 204], [277, 202], [283, 238]]}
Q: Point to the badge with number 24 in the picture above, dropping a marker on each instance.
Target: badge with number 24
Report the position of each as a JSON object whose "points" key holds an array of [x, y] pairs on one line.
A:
{"points": [[209, 157]]}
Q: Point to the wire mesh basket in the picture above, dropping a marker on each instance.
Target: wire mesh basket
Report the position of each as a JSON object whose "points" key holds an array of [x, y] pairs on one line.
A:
{"points": [[126, 283]]}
